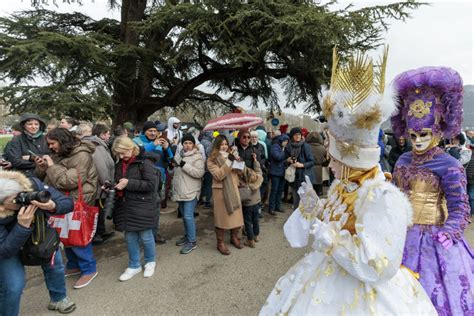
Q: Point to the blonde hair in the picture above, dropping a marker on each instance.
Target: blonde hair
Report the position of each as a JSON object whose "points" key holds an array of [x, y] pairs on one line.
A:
{"points": [[123, 144]]}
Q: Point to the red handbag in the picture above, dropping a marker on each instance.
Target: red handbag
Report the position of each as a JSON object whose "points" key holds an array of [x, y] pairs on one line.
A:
{"points": [[76, 228]]}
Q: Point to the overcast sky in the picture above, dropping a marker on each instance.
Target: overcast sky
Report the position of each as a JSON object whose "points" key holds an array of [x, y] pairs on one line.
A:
{"points": [[437, 35]]}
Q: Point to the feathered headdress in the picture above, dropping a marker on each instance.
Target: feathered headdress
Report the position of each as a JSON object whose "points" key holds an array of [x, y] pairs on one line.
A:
{"points": [[355, 106]]}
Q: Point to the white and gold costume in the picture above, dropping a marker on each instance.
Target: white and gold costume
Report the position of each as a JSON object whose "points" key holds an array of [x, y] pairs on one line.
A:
{"points": [[359, 231]]}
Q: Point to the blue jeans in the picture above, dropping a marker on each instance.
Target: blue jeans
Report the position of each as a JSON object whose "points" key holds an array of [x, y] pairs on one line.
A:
{"points": [[133, 245], [277, 184], [81, 258], [12, 282], [252, 227], [470, 191], [188, 207]]}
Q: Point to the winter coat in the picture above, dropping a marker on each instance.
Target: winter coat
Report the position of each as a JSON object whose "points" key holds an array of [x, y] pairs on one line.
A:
{"points": [[396, 152], [103, 161], [174, 132], [306, 158], [12, 235], [222, 219], [187, 180], [137, 209], [262, 137], [470, 171], [246, 154], [253, 179], [277, 156], [20, 144], [63, 174], [315, 140], [149, 146]]}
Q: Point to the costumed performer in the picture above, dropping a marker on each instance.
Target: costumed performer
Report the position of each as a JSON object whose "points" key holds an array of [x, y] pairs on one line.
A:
{"points": [[429, 109], [359, 232]]}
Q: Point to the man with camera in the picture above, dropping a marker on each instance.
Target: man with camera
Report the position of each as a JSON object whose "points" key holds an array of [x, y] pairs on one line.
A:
{"points": [[24, 205]]}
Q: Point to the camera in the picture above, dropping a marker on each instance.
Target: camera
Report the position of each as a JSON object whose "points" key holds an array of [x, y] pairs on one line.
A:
{"points": [[109, 188], [25, 198]]}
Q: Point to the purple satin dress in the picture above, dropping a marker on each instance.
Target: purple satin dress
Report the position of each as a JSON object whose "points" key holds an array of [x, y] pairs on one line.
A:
{"points": [[447, 275]]}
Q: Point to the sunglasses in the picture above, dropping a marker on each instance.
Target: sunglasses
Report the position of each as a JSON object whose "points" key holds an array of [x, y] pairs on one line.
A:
{"points": [[245, 136]]}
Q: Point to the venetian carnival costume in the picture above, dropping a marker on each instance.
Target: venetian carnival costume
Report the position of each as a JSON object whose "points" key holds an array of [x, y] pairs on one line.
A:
{"points": [[430, 108], [359, 231]]}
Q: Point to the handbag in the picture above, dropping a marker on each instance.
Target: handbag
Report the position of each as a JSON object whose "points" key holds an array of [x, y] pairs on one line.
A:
{"points": [[290, 174], [245, 194], [39, 249], [77, 228]]}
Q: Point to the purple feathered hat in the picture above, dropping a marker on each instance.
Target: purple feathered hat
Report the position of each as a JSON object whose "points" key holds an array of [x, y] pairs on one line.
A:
{"points": [[429, 97]]}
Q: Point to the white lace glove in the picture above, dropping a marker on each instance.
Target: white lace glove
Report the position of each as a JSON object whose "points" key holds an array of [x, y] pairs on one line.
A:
{"points": [[326, 234], [308, 198]]}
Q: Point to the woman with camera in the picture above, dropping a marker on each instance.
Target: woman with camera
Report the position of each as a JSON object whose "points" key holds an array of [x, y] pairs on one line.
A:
{"points": [[225, 194], [135, 208], [71, 161], [299, 156], [16, 217], [187, 182]]}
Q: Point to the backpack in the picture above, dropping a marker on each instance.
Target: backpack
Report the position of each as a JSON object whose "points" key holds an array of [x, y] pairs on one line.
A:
{"points": [[41, 246]]}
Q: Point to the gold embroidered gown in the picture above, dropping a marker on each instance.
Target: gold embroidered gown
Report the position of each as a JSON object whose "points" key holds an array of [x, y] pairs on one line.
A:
{"points": [[354, 267]]}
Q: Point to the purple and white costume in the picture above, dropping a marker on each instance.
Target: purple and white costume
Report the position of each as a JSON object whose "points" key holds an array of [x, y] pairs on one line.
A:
{"points": [[431, 104]]}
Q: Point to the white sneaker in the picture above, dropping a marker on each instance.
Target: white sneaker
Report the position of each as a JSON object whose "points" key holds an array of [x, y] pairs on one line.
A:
{"points": [[129, 273], [149, 269]]}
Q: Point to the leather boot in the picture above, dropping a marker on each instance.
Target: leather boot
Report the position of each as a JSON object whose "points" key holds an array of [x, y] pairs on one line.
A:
{"points": [[220, 242], [234, 238]]}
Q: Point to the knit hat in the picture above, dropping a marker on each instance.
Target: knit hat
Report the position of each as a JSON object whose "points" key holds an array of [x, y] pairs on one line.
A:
{"points": [[304, 132], [161, 127], [148, 125], [284, 128], [295, 130], [188, 137]]}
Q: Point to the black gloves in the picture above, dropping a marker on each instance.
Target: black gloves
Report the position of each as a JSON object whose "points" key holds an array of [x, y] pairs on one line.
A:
{"points": [[182, 163]]}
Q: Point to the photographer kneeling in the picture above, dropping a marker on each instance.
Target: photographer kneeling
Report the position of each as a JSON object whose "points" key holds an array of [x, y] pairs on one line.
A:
{"points": [[17, 213]]}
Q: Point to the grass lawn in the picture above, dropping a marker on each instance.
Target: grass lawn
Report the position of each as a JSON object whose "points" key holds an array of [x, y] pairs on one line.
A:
{"points": [[3, 142]]}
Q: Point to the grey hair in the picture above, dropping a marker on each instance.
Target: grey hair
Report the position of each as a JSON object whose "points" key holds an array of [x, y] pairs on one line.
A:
{"points": [[253, 133], [9, 187]]}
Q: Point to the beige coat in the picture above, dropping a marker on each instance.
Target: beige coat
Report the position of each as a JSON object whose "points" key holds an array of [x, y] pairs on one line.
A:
{"points": [[63, 175], [222, 219], [187, 180]]}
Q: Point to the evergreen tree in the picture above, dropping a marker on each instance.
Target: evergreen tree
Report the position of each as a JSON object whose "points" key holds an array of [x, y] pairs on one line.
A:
{"points": [[164, 53]]}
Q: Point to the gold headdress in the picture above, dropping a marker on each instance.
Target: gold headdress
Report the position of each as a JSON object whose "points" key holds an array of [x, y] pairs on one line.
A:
{"points": [[355, 106]]}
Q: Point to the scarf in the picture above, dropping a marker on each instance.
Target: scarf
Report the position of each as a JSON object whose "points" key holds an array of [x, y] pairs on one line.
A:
{"points": [[125, 165], [36, 135], [231, 197], [295, 149]]}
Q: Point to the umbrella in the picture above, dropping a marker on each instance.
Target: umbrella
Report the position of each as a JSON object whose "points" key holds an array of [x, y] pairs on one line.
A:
{"points": [[234, 121]]}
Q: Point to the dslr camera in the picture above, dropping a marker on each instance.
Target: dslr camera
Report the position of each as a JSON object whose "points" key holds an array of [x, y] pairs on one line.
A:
{"points": [[25, 198]]}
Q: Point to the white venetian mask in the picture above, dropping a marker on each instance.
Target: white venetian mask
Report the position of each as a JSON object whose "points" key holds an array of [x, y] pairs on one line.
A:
{"points": [[422, 141]]}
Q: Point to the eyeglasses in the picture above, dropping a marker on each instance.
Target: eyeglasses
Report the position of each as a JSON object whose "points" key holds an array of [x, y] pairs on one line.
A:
{"points": [[245, 136]]}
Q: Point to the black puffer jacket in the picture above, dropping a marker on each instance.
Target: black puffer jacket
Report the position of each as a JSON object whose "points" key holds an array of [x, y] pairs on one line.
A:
{"points": [[19, 146], [136, 210]]}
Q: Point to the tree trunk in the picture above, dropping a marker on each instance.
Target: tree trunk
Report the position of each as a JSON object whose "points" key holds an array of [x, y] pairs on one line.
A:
{"points": [[125, 95]]}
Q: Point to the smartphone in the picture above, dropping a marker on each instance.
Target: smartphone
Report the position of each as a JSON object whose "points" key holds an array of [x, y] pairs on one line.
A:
{"points": [[34, 155]]}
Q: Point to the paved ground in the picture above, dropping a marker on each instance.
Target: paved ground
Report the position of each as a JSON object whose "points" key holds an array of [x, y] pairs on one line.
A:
{"points": [[200, 283]]}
